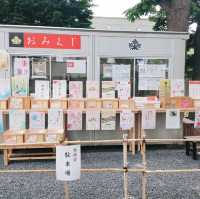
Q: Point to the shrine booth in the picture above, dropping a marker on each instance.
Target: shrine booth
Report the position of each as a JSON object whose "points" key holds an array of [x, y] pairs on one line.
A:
{"points": [[141, 58]]}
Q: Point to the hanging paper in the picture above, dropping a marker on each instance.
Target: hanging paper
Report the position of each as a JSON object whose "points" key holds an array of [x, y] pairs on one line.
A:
{"points": [[76, 89], [20, 85], [17, 120], [197, 119], [177, 87], [92, 89], [121, 72], [108, 119], [76, 66], [21, 66], [1, 122], [39, 68], [127, 120], [108, 89], [59, 89], [194, 89], [149, 84], [41, 89], [5, 90], [74, 120], [36, 120], [92, 120], [55, 119], [173, 119], [68, 162], [165, 88], [148, 119], [107, 70], [124, 90]]}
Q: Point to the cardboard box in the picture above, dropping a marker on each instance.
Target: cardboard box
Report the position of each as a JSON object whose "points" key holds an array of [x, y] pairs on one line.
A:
{"points": [[58, 103]]}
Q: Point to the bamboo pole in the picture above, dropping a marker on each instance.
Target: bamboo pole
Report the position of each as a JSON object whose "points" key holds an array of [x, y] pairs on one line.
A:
{"points": [[144, 174], [125, 164]]}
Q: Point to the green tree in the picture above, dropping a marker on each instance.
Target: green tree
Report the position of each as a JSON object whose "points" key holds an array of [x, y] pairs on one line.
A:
{"points": [[66, 13], [174, 15]]}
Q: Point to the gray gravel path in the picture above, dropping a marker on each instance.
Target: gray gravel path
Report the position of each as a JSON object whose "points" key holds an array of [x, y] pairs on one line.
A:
{"points": [[105, 186]]}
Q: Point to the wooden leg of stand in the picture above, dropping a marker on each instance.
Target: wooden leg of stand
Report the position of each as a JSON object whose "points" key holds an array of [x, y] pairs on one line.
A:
{"points": [[133, 143], [66, 190], [5, 157]]}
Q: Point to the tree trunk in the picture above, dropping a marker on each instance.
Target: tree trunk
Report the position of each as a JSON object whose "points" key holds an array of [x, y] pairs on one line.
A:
{"points": [[177, 14], [196, 67]]}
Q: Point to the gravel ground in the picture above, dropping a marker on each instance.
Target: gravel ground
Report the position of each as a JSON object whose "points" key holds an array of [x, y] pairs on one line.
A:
{"points": [[106, 186]]}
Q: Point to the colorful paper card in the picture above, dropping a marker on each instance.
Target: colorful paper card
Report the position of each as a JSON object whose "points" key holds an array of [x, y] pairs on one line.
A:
{"points": [[194, 89], [173, 119], [59, 89], [39, 68], [5, 90], [108, 120], [92, 89], [92, 120], [20, 86], [74, 120], [55, 119], [165, 88], [124, 90], [127, 120], [21, 66], [76, 66], [148, 119], [197, 119], [36, 120], [41, 89], [177, 87], [76, 89], [1, 122], [17, 120], [108, 89]]}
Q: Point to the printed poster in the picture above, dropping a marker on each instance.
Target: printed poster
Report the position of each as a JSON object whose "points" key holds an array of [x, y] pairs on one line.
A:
{"points": [[197, 119], [124, 90], [21, 66], [36, 120], [55, 119], [93, 120], [127, 119], [177, 87], [20, 86], [39, 68], [76, 89], [173, 119], [41, 89], [1, 122], [148, 119], [165, 88], [194, 89], [149, 84], [59, 89], [5, 90], [92, 89], [107, 70], [121, 72], [108, 89], [74, 120], [68, 163], [17, 120], [108, 120], [76, 66]]}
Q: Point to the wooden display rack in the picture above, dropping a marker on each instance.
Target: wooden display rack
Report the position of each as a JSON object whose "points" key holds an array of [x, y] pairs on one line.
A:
{"points": [[19, 103], [58, 103], [3, 104]]}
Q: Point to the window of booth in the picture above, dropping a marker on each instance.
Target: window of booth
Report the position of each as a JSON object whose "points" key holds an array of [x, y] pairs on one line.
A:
{"points": [[70, 69], [117, 69], [148, 73]]}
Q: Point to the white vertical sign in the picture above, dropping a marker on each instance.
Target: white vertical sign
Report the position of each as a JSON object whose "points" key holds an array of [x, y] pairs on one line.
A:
{"points": [[173, 119], [68, 162], [148, 119]]}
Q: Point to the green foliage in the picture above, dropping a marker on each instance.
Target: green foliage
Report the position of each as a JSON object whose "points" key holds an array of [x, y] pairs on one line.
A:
{"points": [[67, 13]]}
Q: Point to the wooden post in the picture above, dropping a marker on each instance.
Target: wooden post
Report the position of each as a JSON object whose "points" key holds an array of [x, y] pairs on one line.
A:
{"points": [[144, 173], [125, 160], [133, 142], [66, 191], [5, 157]]}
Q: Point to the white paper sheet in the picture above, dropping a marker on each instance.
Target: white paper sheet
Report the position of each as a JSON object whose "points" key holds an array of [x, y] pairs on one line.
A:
{"points": [[121, 72], [194, 89], [148, 119], [127, 119], [21, 66], [76, 89], [93, 120], [92, 89], [41, 89], [36, 120], [108, 89], [124, 90], [5, 89], [173, 119], [177, 87], [55, 119], [68, 162], [76, 66], [59, 89], [17, 120], [74, 120], [108, 120]]}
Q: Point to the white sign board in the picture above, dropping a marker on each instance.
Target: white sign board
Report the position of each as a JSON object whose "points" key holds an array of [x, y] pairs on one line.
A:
{"points": [[173, 119], [68, 162], [76, 66], [148, 119]]}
